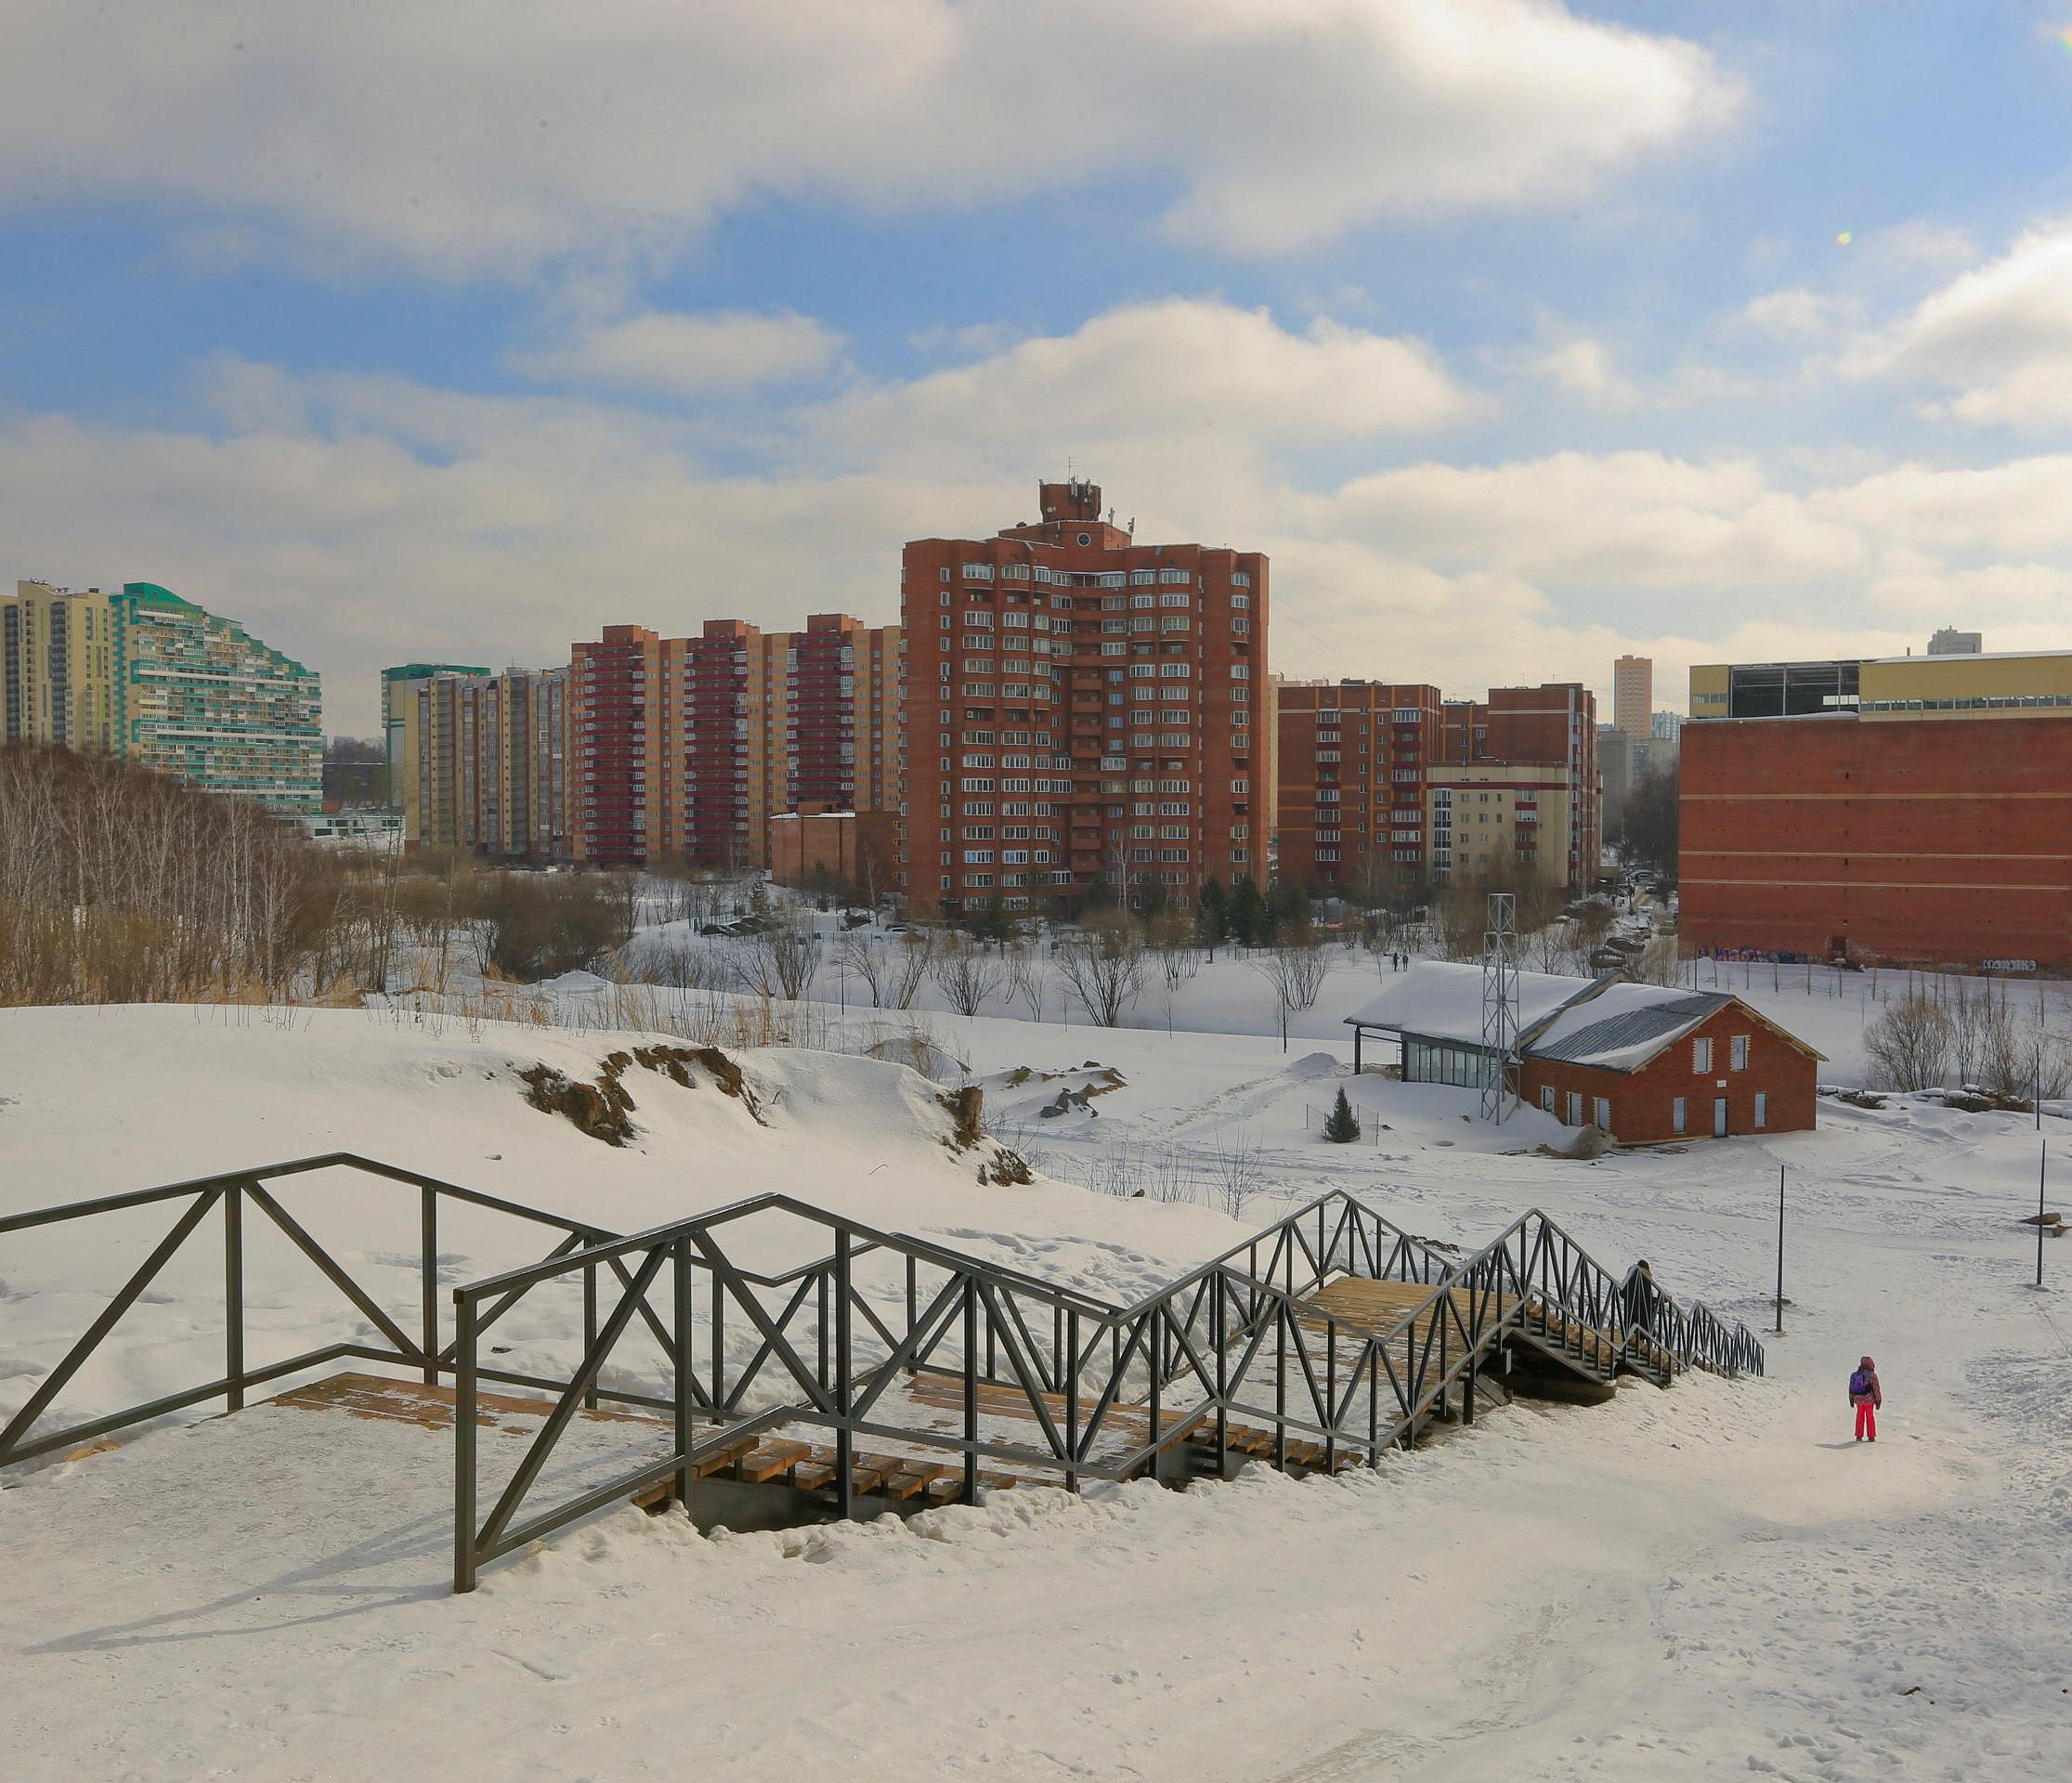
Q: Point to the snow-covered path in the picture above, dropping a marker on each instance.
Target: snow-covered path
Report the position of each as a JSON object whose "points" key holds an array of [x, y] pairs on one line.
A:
{"points": [[1695, 1582]]}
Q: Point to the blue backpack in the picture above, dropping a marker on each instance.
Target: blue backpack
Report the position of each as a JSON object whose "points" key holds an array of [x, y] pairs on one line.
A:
{"points": [[1859, 1382]]}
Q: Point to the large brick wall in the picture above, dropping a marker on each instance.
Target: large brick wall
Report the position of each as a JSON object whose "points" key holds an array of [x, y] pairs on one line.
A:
{"points": [[1933, 840], [1643, 1101]]}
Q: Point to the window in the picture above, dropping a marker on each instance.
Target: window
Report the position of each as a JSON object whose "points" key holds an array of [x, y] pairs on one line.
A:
{"points": [[1546, 1098], [1603, 1115], [1575, 1108], [1678, 1118], [1738, 1052], [1762, 1108], [1702, 1055]]}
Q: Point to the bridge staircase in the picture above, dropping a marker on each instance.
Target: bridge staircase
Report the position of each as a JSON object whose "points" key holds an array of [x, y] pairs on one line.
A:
{"points": [[884, 1373]]}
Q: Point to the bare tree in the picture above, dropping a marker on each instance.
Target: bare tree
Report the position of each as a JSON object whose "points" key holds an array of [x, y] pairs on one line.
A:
{"points": [[870, 962], [1029, 977], [1908, 1043], [911, 958], [781, 961], [1236, 1172], [966, 973], [1102, 967], [1297, 971]]}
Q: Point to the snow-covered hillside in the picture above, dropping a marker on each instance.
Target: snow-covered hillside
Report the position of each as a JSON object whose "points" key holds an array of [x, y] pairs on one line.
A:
{"points": [[1706, 1581]]}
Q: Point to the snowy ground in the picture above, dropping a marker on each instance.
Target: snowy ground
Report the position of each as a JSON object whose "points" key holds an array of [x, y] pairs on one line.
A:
{"points": [[1703, 1581]]}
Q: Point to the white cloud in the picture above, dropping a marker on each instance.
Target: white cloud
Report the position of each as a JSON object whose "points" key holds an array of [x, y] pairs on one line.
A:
{"points": [[1180, 372], [2000, 337], [357, 520], [687, 354], [488, 136], [1799, 313]]}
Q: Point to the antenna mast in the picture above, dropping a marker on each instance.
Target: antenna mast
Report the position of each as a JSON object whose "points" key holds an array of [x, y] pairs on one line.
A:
{"points": [[1500, 1009]]}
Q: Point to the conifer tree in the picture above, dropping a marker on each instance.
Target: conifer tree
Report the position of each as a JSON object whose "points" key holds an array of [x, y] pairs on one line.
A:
{"points": [[1343, 1126]]}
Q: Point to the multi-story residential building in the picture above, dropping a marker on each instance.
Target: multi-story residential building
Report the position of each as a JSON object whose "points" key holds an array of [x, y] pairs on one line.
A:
{"points": [[1632, 696], [1666, 727], [1351, 758], [1623, 764], [1549, 735], [400, 687], [1903, 807], [58, 681], [491, 756], [704, 740], [1082, 707], [146, 675], [202, 699]]}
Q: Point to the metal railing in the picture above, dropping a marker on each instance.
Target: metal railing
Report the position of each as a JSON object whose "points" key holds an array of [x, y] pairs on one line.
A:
{"points": [[1037, 1377], [232, 1195], [1104, 1391]]}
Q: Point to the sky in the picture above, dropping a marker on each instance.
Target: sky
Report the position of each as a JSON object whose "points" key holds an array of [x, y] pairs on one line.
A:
{"points": [[1518, 334]]}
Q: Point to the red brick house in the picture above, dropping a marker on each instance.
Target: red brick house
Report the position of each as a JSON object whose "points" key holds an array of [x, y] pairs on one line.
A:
{"points": [[1646, 1063]]}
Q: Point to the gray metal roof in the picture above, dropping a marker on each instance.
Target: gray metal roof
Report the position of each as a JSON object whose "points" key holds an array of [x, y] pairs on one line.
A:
{"points": [[1630, 1028]]}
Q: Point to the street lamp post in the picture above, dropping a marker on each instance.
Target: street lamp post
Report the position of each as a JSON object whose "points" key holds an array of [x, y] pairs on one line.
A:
{"points": [[1779, 1332]]}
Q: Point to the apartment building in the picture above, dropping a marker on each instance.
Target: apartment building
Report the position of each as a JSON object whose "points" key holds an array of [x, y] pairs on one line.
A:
{"points": [[1632, 696], [1082, 709], [400, 747], [687, 748], [155, 678], [490, 758], [1905, 809], [1547, 735], [1351, 759], [201, 699], [57, 682]]}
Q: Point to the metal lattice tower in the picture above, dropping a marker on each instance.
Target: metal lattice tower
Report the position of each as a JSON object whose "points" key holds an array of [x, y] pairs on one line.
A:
{"points": [[1500, 1009]]}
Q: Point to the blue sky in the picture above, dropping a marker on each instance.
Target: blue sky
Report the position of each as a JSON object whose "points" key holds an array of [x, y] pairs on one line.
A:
{"points": [[1518, 334]]}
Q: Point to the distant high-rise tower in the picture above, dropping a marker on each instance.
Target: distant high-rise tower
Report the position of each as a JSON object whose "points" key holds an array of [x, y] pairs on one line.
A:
{"points": [[1632, 696], [1950, 641]]}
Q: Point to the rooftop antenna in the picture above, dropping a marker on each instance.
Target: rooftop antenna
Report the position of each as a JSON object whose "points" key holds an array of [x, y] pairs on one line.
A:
{"points": [[1500, 1009]]}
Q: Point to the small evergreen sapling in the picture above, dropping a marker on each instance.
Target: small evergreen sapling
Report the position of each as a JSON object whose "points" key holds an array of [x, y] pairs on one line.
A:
{"points": [[1343, 1126]]}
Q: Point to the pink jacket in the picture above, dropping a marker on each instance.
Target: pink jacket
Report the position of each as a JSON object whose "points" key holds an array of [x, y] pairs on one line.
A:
{"points": [[1876, 1397]]}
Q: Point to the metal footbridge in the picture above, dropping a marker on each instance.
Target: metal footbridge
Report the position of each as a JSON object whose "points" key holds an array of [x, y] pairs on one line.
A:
{"points": [[881, 1372]]}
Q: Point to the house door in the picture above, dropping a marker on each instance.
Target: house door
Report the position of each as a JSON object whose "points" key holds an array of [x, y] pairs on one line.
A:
{"points": [[1719, 1117]]}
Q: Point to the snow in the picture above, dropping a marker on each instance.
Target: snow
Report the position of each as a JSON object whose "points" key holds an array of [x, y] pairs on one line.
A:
{"points": [[1711, 1581], [1443, 1000], [1611, 1002]]}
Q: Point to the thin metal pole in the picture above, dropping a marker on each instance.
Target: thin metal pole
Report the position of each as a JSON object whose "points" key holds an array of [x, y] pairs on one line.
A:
{"points": [[1072, 1405], [2042, 1159], [590, 1326], [428, 1240], [233, 1293], [680, 1258], [464, 1441], [845, 1439], [1779, 1332], [971, 1389]]}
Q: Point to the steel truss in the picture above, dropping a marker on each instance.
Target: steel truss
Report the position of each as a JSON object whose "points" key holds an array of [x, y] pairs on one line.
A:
{"points": [[1236, 1341]]}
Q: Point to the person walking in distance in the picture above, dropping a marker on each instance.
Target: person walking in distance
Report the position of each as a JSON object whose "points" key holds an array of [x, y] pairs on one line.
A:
{"points": [[1867, 1396]]}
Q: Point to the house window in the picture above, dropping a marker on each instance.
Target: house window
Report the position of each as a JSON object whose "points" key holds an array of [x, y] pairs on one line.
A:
{"points": [[1702, 1055], [1762, 1108], [1575, 1108], [1604, 1114], [1546, 1098], [1678, 1118], [1738, 1051]]}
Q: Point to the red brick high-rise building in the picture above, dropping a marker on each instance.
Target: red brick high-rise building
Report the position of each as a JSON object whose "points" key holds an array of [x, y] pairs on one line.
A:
{"points": [[1353, 757], [684, 749], [1081, 708]]}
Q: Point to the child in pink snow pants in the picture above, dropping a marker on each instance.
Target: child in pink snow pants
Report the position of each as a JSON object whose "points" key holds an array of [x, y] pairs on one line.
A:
{"points": [[1867, 1396]]}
